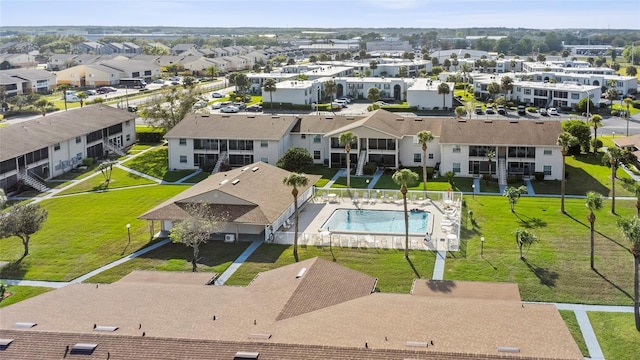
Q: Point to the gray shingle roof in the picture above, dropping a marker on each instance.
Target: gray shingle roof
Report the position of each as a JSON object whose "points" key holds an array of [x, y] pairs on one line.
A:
{"points": [[501, 132], [259, 127]]}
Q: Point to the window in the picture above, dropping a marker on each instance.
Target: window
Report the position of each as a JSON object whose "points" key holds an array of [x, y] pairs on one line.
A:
{"points": [[456, 149], [265, 160], [527, 91], [317, 139], [78, 139], [547, 170], [264, 144], [183, 159], [56, 147], [183, 141], [575, 96], [316, 154], [126, 123], [548, 151], [456, 168], [303, 136], [417, 157], [128, 137], [430, 156]]}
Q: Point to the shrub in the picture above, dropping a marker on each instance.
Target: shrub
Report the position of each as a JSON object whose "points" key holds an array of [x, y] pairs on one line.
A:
{"points": [[373, 107], [597, 144], [615, 113], [512, 179], [449, 175], [539, 175], [87, 161], [487, 178], [531, 109], [295, 159], [149, 137], [370, 168]]}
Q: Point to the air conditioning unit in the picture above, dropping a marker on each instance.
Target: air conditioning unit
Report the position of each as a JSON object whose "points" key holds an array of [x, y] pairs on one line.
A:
{"points": [[229, 238]]}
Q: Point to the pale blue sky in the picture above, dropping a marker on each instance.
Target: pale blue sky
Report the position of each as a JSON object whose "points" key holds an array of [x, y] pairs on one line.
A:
{"points": [[539, 14]]}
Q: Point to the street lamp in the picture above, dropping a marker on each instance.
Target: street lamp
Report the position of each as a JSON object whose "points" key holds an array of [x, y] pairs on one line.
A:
{"points": [[368, 190], [482, 246], [473, 191], [613, 134], [129, 233]]}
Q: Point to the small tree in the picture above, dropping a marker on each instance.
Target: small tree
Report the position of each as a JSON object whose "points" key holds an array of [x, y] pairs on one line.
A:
{"points": [[524, 238], [347, 139], [595, 121], [594, 201], [330, 87], [106, 168], [3, 198], [405, 178], [491, 154], [23, 220], [204, 220], [565, 141], [270, 87], [424, 138], [63, 88], [513, 194], [295, 159], [614, 157], [373, 94], [295, 180]]}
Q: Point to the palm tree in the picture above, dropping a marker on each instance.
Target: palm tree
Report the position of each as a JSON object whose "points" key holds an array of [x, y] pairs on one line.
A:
{"points": [[506, 83], [494, 89], [43, 105], [295, 180], [595, 121], [525, 238], [424, 137], [628, 102], [565, 141], [513, 194], [614, 157], [594, 202], [444, 89], [631, 229], [64, 88], [611, 95], [269, 86], [212, 71], [82, 96], [405, 178], [347, 138], [330, 87], [491, 154]]}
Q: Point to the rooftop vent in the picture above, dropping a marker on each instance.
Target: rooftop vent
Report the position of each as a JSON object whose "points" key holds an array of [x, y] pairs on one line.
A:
{"points": [[255, 168], [416, 344], [235, 181], [417, 119], [4, 343], [488, 121], [226, 116], [462, 120], [329, 118], [259, 336], [350, 118], [24, 325], [83, 348], [508, 349], [301, 272], [105, 328], [245, 168], [205, 115], [251, 116], [275, 117], [399, 119], [224, 181], [513, 121], [240, 355]]}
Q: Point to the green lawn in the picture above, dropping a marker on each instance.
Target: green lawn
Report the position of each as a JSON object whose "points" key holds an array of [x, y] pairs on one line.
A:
{"points": [[197, 178], [617, 334], [557, 268], [77, 174], [215, 257], [438, 184], [119, 179], [19, 293], [153, 162], [570, 320], [394, 273], [356, 182], [83, 233]]}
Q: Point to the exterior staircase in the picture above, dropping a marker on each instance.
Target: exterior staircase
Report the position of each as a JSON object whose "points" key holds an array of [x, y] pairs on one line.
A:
{"points": [[502, 171], [221, 159], [109, 146], [33, 180], [362, 158]]}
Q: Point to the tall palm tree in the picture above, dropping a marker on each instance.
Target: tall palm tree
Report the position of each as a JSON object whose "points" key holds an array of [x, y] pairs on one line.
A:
{"points": [[611, 95], [405, 178], [330, 87], [347, 139], [444, 89], [594, 202], [494, 89], [295, 180], [631, 229], [595, 121], [506, 83], [565, 141], [628, 102], [614, 157], [424, 137], [242, 84], [63, 88], [269, 86], [491, 154]]}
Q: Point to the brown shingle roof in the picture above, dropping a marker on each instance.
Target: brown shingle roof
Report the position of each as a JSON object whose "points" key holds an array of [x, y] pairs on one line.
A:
{"points": [[628, 141], [259, 197], [263, 127], [465, 289], [500, 132], [28, 136]]}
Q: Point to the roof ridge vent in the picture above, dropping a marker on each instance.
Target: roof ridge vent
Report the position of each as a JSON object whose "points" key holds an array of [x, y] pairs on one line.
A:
{"points": [[224, 181], [399, 119], [83, 348], [235, 181], [105, 328], [24, 325], [301, 272], [255, 168]]}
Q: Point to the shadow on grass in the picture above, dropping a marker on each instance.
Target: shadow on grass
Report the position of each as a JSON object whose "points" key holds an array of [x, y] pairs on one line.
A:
{"points": [[441, 286], [614, 241], [413, 268], [490, 263], [14, 270], [529, 222], [613, 284], [546, 277]]}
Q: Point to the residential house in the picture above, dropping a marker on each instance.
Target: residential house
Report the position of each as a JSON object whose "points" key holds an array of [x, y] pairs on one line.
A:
{"points": [[312, 309], [48, 146], [8, 61], [27, 81], [108, 73], [90, 47], [180, 48]]}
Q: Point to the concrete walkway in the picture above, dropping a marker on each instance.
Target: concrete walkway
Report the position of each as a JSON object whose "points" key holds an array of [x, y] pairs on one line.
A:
{"points": [[589, 336], [438, 267], [530, 190], [237, 262]]}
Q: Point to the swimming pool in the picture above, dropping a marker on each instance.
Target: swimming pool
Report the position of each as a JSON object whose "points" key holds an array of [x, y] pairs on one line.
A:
{"points": [[376, 221]]}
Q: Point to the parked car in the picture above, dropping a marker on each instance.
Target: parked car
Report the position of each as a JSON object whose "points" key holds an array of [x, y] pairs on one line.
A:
{"points": [[254, 107], [158, 81], [479, 110], [217, 105], [347, 99], [543, 112], [336, 106], [490, 111], [132, 108], [105, 90], [199, 104], [217, 95], [502, 110], [553, 111], [240, 105], [522, 110], [90, 92], [382, 103], [175, 83], [230, 109], [344, 103]]}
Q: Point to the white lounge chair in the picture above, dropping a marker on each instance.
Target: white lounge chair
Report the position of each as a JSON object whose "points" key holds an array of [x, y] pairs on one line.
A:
{"points": [[373, 199]]}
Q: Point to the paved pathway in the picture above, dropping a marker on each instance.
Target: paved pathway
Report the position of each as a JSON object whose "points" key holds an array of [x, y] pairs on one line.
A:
{"points": [[589, 336], [237, 262], [438, 267], [530, 190]]}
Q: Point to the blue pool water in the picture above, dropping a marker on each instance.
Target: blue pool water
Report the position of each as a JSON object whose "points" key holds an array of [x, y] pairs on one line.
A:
{"points": [[376, 221]]}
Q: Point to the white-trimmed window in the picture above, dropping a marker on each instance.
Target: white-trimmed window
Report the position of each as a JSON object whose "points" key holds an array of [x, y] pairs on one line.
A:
{"points": [[456, 168], [548, 151], [78, 139], [417, 157], [183, 159], [56, 147], [264, 144], [183, 142], [430, 156], [317, 139], [456, 149], [316, 154], [547, 170]]}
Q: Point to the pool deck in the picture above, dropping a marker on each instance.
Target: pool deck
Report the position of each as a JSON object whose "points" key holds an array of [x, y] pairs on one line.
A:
{"points": [[443, 226]]}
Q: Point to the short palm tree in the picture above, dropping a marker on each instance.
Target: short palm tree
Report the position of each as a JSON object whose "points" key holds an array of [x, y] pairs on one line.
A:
{"points": [[424, 137], [631, 229], [525, 238], [63, 88], [614, 157], [330, 87], [444, 89], [628, 103], [595, 121], [295, 180], [594, 201], [405, 178], [491, 154], [347, 139], [269, 86], [565, 141]]}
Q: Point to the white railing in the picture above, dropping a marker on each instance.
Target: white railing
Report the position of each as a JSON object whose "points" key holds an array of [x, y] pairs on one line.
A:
{"points": [[109, 146], [362, 159], [33, 181], [502, 172], [221, 159]]}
